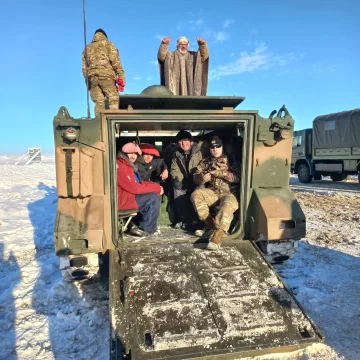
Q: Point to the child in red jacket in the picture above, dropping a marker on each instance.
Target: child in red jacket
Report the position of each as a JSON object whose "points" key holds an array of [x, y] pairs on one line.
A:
{"points": [[133, 193]]}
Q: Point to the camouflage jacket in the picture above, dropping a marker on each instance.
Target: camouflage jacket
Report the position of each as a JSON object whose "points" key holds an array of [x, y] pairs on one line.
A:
{"points": [[225, 178], [103, 58]]}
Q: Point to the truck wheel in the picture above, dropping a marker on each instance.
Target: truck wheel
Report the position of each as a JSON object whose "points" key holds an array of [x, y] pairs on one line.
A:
{"points": [[338, 176], [304, 175]]}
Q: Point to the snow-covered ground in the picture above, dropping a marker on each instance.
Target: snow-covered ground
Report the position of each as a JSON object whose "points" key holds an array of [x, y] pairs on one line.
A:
{"points": [[41, 317]]}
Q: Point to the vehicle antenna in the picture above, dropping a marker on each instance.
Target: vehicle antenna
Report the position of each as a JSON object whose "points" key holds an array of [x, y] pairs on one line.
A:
{"points": [[86, 64]]}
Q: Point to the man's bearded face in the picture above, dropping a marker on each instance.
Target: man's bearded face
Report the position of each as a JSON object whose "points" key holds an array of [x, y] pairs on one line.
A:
{"points": [[183, 47]]}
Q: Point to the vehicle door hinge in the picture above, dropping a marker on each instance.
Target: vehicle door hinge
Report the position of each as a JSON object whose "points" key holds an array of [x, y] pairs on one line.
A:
{"points": [[117, 130]]}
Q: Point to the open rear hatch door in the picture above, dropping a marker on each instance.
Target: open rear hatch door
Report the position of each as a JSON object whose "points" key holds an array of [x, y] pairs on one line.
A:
{"points": [[176, 301]]}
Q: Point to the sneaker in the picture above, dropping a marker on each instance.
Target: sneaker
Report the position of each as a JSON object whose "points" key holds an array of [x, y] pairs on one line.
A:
{"points": [[180, 225], [212, 246], [208, 228]]}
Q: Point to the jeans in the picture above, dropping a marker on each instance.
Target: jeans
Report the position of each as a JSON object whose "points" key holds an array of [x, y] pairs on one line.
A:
{"points": [[149, 211]]}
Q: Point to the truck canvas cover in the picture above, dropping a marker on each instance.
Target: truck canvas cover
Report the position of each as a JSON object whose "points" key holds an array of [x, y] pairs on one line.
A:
{"points": [[337, 130]]}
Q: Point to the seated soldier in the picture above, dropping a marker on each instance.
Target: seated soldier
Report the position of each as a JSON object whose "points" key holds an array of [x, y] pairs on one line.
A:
{"points": [[221, 187], [150, 168], [136, 194]]}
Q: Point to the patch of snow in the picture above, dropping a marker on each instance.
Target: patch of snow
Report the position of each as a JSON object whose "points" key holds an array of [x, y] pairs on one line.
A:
{"points": [[42, 317]]}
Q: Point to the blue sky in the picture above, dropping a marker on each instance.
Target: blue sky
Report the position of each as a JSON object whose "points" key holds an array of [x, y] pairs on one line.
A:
{"points": [[301, 53]]}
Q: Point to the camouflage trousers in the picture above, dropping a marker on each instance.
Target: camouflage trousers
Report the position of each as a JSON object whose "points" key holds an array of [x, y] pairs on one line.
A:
{"points": [[99, 88], [203, 199]]}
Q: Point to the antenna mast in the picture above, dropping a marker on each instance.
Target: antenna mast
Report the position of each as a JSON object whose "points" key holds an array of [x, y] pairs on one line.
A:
{"points": [[86, 63]]}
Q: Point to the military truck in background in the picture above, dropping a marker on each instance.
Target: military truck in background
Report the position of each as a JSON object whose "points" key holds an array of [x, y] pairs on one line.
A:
{"points": [[330, 148], [168, 296]]}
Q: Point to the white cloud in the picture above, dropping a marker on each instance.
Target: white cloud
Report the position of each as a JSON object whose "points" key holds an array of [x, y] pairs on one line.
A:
{"points": [[196, 22], [220, 36], [137, 78], [232, 54], [160, 37], [259, 59], [228, 22], [154, 62], [149, 78]]}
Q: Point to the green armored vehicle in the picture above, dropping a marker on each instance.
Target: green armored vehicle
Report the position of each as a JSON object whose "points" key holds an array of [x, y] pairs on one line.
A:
{"points": [[170, 298]]}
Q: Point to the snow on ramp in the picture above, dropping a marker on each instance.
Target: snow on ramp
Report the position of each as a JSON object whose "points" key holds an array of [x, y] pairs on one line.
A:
{"points": [[41, 317]]}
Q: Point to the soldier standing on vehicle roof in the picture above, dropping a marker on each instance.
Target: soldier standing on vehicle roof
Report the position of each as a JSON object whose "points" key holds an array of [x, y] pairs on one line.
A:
{"points": [[184, 72], [136, 194], [104, 67], [221, 183]]}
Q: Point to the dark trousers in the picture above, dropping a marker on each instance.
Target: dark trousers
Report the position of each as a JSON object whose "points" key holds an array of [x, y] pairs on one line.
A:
{"points": [[184, 209], [149, 210]]}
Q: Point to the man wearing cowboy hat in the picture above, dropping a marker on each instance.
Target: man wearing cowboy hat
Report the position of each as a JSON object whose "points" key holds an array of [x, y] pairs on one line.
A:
{"points": [[133, 193], [183, 71]]}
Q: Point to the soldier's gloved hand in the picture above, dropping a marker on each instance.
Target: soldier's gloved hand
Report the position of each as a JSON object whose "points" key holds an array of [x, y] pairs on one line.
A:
{"points": [[206, 177], [217, 173]]}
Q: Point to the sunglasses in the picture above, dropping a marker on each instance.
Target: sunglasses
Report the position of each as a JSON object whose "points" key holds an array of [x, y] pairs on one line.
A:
{"points": [[215, 146]]}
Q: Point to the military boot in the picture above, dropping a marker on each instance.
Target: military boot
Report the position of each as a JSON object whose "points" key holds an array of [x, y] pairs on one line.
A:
{"points": [[215, 239], [208, 228]]}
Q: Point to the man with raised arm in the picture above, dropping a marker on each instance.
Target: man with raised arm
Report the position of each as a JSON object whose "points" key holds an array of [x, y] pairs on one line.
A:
{"points": [[183, 71]]}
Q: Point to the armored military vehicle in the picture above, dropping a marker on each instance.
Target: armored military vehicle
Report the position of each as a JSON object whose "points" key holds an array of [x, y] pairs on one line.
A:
{"points": [[170, 298], [330, 148]]}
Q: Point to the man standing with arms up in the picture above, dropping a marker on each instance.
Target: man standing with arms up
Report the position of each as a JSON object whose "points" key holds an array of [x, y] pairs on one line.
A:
{"points": [[104, 67], [184, 72]]}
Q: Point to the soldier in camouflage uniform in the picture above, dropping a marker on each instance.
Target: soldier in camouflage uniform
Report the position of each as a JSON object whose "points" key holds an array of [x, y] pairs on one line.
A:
{"points": [[220, 183], [104, 66]]}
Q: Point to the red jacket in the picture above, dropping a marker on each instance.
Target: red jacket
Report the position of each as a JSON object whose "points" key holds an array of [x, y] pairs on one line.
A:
{"points": [[128, 187]]}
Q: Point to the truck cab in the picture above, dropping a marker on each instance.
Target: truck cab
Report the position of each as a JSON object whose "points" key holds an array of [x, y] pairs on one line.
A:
{"points": [[301, 152]]}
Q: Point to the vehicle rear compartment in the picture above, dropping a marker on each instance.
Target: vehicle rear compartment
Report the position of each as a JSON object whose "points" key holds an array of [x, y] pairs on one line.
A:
{"points": [[170, 298]]}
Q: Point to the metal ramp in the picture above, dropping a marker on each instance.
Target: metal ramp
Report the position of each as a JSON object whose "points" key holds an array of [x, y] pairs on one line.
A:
{"points": [[176, 301]]}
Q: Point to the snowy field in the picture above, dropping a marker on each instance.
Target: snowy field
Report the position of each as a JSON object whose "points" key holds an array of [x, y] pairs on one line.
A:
{"points": [[41, 317]]}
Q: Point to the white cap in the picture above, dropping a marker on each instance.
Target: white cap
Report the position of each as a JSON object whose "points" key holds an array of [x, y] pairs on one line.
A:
{"points": [[182, 39]]}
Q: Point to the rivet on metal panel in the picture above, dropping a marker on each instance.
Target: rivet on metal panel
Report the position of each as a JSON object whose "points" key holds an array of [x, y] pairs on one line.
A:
{"points": [[257, 162], [286, 162]]}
